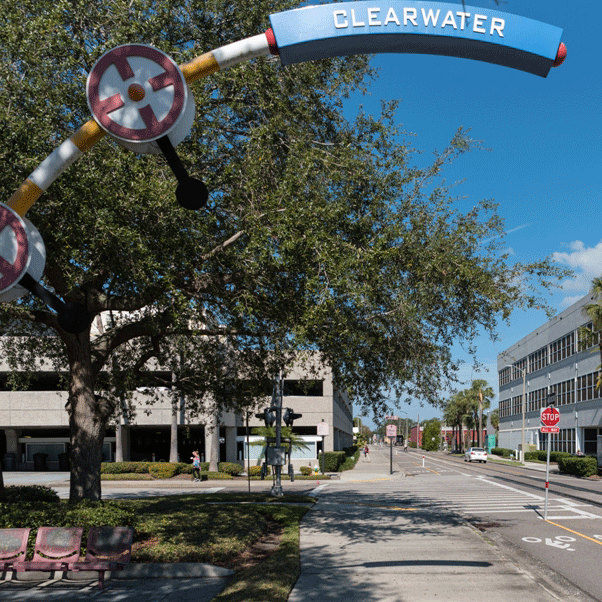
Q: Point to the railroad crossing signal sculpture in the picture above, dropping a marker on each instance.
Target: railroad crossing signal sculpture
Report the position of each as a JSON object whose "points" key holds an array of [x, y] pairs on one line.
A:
{"points": [[141, 98]]}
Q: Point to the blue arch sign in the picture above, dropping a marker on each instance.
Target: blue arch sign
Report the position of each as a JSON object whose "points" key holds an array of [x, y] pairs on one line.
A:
{"points": [[346, 28]]}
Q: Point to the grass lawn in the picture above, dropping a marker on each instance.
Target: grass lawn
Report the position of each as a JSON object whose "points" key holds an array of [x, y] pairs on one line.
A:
{"points": [[255, 535]]}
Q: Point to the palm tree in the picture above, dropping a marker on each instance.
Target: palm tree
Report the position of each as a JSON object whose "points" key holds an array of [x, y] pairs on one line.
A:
{"points": [[481, 395], [456, 410], [594, 312]]}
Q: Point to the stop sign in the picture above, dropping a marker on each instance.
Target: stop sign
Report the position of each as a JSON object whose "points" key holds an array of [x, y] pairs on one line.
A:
{"points": [[550, 416]]}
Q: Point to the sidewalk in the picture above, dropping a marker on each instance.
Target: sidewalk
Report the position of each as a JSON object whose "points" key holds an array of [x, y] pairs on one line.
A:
{"points": [[355, 546]]}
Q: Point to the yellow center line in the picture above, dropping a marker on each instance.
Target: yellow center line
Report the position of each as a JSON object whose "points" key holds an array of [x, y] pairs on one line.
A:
{"points": [[576, 532]]}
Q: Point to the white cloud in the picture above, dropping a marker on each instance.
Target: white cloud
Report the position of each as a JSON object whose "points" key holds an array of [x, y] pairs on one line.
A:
{"points": [[586, 262]]}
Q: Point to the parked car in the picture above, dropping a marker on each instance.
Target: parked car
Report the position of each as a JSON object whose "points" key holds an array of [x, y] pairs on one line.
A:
{"points": [[478, 454]]}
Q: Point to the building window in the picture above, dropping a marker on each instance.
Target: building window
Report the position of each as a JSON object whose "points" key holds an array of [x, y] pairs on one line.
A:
{"points": [[562, 348], [564, 441], [538, 360], [519, 369], [504, 376], [565, 392], [590, 441], [587, 338], [587, 386], [536, 399], [504, 408], [517, 404]]}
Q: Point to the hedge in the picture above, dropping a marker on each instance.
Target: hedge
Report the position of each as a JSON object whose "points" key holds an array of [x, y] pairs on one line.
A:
{"points": [[35, 506], [542, 455], [165, 470], [502, 451], [255, 471], [23, 494], [124, 467], [580, 467], [339, 460], [231, 468]]}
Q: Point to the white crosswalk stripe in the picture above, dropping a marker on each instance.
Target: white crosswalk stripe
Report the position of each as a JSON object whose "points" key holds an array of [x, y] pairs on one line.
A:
{"points": [[483, 496]]}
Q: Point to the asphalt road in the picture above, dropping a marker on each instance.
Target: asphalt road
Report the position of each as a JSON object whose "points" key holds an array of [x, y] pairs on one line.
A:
{"points": [[508, 505]]}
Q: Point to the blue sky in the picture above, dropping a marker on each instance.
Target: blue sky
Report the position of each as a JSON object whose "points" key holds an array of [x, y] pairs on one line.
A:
{"points": [[545, 141]]}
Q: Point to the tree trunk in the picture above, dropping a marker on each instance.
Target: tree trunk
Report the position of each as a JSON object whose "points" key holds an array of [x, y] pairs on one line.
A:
{"points": [[88, 418], [173, 443], [214, 447], [1, 484]]}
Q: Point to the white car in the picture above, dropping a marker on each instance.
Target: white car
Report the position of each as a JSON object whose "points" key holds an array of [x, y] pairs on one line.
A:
{"points": [[478, 454]]}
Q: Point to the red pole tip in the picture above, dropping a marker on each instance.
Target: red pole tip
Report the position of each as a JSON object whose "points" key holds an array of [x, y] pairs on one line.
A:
{"points": [[269, 34], [561, 55]]}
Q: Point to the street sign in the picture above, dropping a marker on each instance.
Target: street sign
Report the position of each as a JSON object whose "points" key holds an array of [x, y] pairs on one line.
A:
{"points": [[391, 430], [550, 416], [550, 429], [391, 417], [322, 429], [13, 248]]}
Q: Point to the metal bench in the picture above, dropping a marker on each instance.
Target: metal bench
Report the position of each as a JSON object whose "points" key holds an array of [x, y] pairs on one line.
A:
{"points": [[13, 547], [55, 549], [107, 549]]}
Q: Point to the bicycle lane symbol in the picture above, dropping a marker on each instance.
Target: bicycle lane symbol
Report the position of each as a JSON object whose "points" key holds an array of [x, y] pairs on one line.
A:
{"points": [[14, 248], [562, 542]]}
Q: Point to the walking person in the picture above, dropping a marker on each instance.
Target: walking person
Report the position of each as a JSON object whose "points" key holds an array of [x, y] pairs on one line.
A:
{"points": [[367, 453], [196, 466]]}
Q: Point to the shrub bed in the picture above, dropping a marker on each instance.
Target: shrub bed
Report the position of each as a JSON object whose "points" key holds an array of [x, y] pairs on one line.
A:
{"points": [[502, 451], [231, 468], [64, 514], [331, 461], [124, 467], [23, 494], [163, 470], [580, 467], [255, 471]]}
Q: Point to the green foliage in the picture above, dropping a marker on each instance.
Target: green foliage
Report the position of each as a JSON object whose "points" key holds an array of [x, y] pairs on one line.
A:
{"points": [[217, 476], [431, 435], [125, 467], [331, 461], [352, 455], [163, 470], [23, 494], [542, 455], [502, 451], [184, 468], [581, 467], [231, 468], [306, 470], [556, 456], [255, 471], [85, 514], [286, 245]]}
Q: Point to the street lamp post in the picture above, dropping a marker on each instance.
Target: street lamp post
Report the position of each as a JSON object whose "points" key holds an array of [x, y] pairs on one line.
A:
{"points": [[523, 404]]}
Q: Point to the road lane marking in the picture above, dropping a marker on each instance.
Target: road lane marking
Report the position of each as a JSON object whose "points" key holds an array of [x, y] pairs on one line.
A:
{"points": [[575, 532]]}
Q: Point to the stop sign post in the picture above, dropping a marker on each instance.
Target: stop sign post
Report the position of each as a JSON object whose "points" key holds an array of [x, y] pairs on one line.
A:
{"points": [[550, 417]]}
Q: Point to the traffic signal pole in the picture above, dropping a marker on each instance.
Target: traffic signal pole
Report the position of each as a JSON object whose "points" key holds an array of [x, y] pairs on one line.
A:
{"points": [[277, 487]]}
